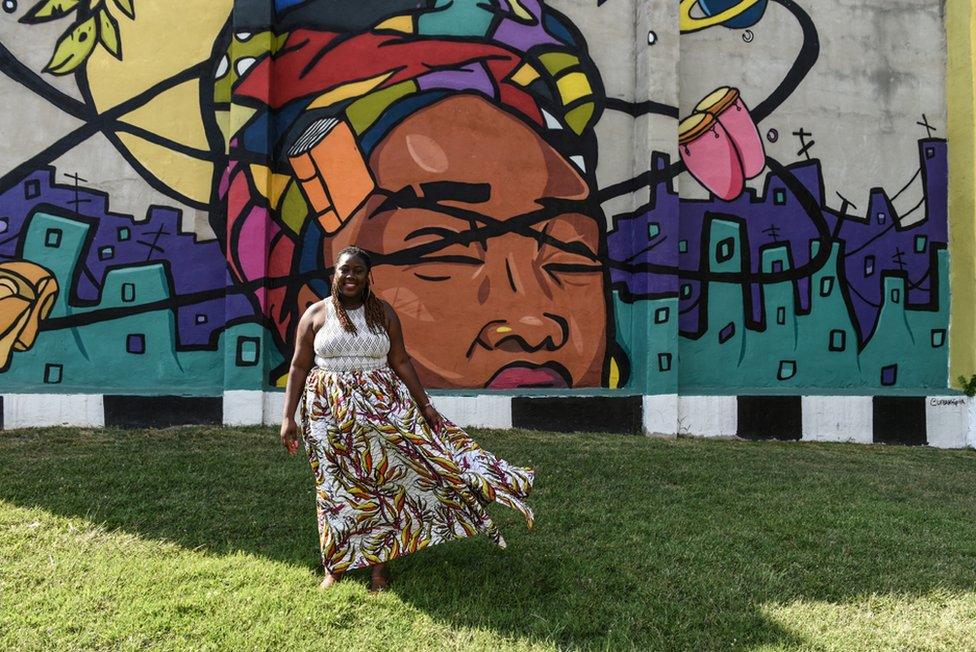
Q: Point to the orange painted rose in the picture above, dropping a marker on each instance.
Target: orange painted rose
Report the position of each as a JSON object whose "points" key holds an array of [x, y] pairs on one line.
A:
{"points": [[27, 293]]}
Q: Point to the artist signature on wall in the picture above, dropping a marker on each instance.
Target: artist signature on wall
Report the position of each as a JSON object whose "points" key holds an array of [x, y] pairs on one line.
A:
{"points": [[941, 402]]}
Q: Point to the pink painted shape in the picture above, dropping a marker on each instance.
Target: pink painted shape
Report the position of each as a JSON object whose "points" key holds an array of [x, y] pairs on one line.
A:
{"points": [[741, 128], [252, 247], [252, 243], [224, 184], [713, 160]]}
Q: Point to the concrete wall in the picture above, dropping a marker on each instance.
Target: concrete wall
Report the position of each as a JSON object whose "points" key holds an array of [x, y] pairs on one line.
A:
{"points": [[163, 227]]}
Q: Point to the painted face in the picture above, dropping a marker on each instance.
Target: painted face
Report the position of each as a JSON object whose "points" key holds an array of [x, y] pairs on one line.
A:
{"points": [[350, 276], [485, 251]]}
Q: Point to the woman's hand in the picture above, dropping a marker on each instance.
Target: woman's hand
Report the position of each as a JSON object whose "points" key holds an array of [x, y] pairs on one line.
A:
{"points": [[289, 435], [431, 416]]}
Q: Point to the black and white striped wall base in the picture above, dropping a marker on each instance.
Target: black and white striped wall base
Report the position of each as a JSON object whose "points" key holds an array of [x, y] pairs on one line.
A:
{"points": [[941, 421]]}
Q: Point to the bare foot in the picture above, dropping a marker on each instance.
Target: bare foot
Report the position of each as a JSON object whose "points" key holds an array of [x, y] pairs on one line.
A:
{"points": [[329, 580], [379, 578]]}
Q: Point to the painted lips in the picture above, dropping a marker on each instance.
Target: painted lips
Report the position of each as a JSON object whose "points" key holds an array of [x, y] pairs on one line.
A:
{"points": [[527, 375]]}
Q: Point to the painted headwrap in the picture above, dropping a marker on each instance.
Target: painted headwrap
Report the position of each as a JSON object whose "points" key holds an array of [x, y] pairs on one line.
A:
{"points": [[522, 55], [384, 61]]}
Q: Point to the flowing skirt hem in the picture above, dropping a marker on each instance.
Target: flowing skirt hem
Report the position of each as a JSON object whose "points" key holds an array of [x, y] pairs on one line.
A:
{"points": [[387, 485]]}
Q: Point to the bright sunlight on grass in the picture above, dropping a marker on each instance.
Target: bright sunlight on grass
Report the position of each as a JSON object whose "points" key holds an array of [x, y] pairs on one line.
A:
{"points": [[193, 538]]}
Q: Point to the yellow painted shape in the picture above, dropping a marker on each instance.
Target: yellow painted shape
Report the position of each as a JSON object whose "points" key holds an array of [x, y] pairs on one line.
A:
{"points": [[279, 183], [687, 23], [520, 11], [579, 118], [397, 24], [261, 176], [240, 115], [614, 380], [160, 116], [223, 122], [348, 91], [271, 185], [365, 111], [960, 19], [556, 61], [573, 86], [525, 75], [190, 176], [294, 208], [165, 39], [282, 381]]}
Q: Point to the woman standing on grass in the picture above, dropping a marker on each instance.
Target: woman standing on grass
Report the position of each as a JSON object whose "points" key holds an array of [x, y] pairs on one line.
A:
{"points": [[391, 475]]}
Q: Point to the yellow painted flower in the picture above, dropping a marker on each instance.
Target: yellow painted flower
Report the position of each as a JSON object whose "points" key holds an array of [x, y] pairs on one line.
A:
{"points": [[27, 293]]}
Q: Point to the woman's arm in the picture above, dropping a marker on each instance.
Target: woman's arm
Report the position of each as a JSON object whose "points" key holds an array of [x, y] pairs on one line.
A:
{"points": [[301, 363], [399, 361]]}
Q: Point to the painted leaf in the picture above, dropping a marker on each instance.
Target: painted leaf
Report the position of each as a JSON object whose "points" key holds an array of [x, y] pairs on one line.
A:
{"points": [[108, 33], [73, 48], [46, 10], [126, 7]]}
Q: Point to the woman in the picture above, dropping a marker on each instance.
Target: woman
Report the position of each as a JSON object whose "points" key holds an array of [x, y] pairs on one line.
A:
{"points": [[391, 475], [455, 142]]}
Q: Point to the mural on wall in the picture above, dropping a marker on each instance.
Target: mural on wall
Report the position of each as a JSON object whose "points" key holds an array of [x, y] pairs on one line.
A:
{"points": [[454, 142], [458, 142]]}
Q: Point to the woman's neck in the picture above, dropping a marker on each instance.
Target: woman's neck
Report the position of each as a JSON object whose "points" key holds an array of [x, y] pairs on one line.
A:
{"points": [[351, 304]]}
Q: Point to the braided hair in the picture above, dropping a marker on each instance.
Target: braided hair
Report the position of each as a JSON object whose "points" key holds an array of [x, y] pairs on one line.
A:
{"points": [[375, 314]]}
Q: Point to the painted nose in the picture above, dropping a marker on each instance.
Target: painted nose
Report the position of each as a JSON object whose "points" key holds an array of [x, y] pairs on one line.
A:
{"points": [[528, 334]]}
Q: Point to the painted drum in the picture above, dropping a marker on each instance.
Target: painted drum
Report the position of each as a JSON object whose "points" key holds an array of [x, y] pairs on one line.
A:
{"points": [[710, 155], [727, 106]]}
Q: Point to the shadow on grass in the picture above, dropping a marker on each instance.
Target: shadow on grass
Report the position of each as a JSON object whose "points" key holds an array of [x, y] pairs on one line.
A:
{"points": [[639, 543]]}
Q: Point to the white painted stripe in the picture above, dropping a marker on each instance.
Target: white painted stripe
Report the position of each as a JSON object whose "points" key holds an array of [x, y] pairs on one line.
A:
{"points": [[947, 421], [708, 416], [950, 420], [838, 418], [243, 407], [482, 411], [660, 415], [49, 410], [273, 405], [971, 421]]}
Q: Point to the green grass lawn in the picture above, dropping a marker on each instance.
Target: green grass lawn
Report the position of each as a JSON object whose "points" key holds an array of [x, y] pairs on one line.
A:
{"points": [[197, 538]]}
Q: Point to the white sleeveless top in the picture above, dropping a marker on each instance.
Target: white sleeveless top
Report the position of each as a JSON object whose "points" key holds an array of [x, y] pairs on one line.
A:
{"points": [[336, 349]]}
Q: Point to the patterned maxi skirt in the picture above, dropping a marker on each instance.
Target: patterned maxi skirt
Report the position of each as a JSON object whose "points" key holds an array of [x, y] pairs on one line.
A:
{"points": [[386, 484]]}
